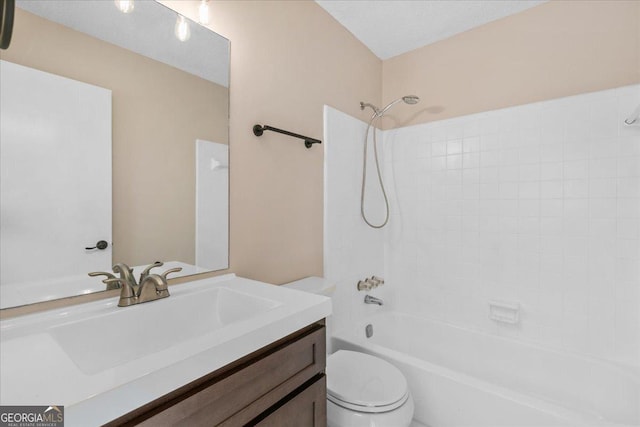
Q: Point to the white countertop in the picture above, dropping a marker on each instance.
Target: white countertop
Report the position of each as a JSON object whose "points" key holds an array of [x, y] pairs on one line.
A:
{"points": [[38, 368]]}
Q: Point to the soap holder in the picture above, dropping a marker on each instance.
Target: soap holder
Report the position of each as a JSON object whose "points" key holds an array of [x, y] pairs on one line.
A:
{"points": [[504, 311]]}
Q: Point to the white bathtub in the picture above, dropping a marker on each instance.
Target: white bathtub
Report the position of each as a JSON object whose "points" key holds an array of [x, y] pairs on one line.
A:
{"points": [[460, 377]]}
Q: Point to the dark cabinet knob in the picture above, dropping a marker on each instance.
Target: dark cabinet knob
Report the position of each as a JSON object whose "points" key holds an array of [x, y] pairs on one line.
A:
{"points": [[102, 245]]}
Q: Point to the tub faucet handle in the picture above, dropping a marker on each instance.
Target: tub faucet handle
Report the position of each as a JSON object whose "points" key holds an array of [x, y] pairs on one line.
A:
{"points": [[375, 281], [364, 285]]}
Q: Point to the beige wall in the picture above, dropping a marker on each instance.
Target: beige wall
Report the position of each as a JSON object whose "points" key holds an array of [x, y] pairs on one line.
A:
{"points": [[556, 49], [158, 113], [288, 59]]}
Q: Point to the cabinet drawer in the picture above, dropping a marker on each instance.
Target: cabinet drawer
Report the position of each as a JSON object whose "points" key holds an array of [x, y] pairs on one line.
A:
{"points": [[248, 390], [308, 408]]}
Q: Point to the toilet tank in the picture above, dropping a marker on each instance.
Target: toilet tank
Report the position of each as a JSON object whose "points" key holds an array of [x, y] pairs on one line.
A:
{"points": [[319, 286]]}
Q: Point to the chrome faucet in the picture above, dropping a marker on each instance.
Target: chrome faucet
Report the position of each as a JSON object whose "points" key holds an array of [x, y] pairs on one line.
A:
{"points": [[151, 287], [368, 299]]}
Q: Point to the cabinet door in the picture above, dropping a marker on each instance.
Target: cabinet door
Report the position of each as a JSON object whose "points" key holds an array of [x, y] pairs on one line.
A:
{"points": [[306, 409], [234, 396]]}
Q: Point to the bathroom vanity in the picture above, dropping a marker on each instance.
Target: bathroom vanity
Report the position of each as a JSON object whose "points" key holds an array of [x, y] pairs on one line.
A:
{"points": [[224, 350], [282, 383]]}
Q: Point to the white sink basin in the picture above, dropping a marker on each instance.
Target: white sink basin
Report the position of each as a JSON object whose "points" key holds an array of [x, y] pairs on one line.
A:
{"points": [[124, 334], [102, 361]]}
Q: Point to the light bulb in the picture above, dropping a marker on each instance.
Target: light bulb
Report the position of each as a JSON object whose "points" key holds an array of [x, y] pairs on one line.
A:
{"points": [[203, 12], [124, 6], [182, 30]]}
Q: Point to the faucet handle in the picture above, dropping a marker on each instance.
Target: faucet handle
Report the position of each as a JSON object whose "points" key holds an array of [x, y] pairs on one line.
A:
{"points": [[169, 271], [364, 285], [117, 283], [101, 273], [108, 276], [162, 287], [146, 271], [373, 283], [377, 281]]}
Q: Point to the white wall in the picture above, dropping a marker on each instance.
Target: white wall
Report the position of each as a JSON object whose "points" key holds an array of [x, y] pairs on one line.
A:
{"points": [[352, 250], [212, 205], [55, 176], [538, 204]]}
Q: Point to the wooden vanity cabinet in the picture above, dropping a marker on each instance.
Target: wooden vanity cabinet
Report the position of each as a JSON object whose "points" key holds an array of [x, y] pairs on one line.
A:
{"points": [[280, 385]]}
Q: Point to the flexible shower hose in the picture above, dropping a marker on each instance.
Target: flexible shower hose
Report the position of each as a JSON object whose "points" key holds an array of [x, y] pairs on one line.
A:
{"points": [[364, 174]]}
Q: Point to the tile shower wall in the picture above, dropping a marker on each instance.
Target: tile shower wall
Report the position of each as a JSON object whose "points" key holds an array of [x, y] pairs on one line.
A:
{"points": [[537, 204], [352, 250]]}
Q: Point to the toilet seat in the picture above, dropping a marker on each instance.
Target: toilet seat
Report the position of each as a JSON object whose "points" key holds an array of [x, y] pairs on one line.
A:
{"points": [[364, 383]]}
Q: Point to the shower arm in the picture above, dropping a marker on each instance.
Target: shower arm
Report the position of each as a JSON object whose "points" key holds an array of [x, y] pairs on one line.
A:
{"points": [[391, 104], [376, 111], [380, 112]]}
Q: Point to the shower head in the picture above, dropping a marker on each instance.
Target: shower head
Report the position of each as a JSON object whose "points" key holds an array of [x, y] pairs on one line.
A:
{"points": [[408, 99], [411, 99]]}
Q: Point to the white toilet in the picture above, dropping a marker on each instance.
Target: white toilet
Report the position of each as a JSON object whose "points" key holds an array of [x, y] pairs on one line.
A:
{"points": [[362, 390]]}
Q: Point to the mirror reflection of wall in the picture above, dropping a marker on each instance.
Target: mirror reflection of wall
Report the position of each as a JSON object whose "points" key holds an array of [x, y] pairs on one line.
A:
{"points": [[55, 190], [159, 111]]}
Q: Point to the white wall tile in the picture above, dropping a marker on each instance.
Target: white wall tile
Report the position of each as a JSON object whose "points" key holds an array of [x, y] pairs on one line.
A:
{"points": [[603, 168], [628, 228], [603, 187], [575, 189], [551, 189], [353, 251], [551, 152], [629, 208], [576, 169], [537, 203], [545, 211], [629, 145], [629, 166]]}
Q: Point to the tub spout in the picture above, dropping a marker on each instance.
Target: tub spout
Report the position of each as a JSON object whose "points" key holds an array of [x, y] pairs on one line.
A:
{"points": [[368, 299]]}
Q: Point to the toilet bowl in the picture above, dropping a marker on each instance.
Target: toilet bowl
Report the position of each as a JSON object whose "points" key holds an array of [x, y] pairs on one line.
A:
{"points": [[362, 390], [365, 391]]}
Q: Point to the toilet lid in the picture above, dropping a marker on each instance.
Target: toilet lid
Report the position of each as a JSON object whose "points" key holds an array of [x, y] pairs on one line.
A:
{"points": [[363, 382]]}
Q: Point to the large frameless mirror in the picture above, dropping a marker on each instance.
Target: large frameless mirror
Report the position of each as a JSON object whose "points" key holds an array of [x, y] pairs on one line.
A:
{"points": [[114, 145]]}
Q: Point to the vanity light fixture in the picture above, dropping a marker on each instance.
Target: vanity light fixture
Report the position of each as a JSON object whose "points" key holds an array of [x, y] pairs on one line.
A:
{"points": [[182, 30], [125, 6], [203, 12]]}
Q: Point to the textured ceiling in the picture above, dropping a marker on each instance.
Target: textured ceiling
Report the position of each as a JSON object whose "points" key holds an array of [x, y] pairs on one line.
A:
{"points": [[393, 27], [148, 30]]}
